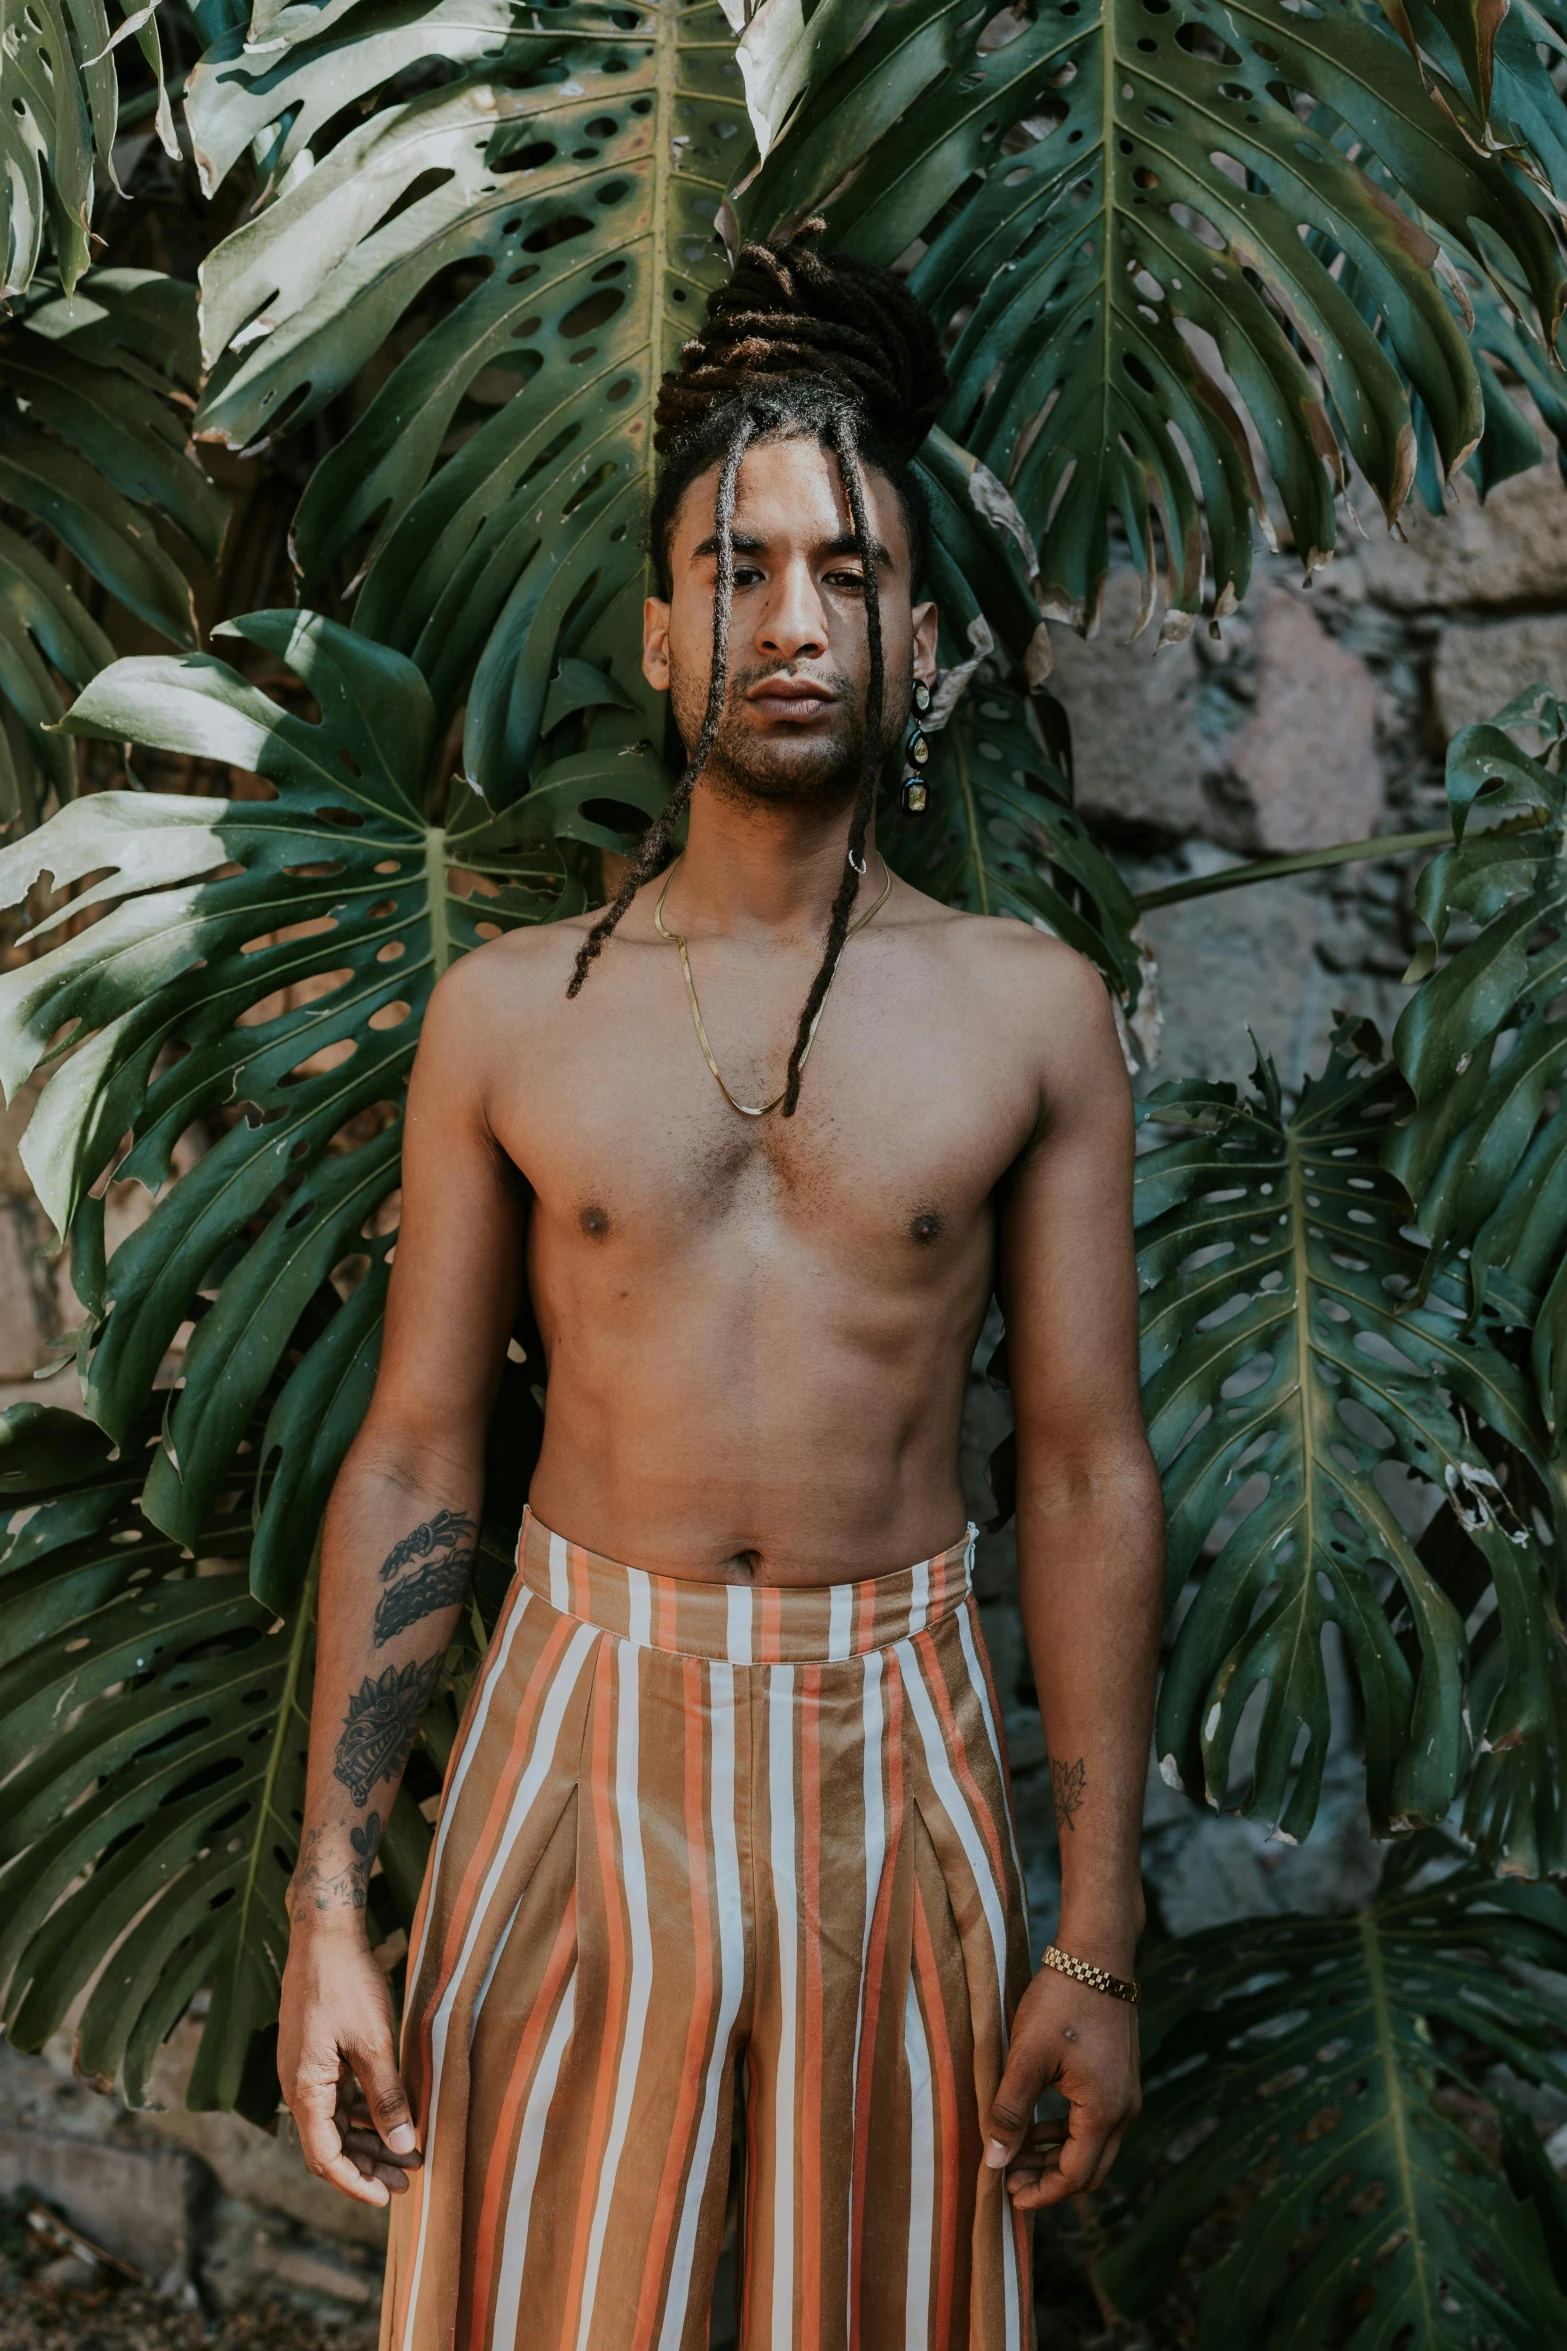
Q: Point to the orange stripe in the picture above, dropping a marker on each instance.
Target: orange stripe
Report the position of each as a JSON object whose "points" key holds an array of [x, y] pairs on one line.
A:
{"points": [[539, 1683], [681, 2139], [578, 1582], [810, 2168], [866, 1613], [770, 1647], [503, 2151], [983, 1654], [928, 1982], [875, 1969], [935, 1682], [752, 2090], [614, 2020]]}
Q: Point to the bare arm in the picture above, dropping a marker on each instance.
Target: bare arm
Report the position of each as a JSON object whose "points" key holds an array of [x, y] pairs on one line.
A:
{"points": [[396, 1560], [1090, 1571]]}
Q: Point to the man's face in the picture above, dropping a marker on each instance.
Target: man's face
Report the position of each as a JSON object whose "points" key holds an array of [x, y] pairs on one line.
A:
{"points": [[794, 716]]}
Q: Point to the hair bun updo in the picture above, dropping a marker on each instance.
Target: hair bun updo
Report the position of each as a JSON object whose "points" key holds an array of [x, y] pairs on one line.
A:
{"points": [[790, 311]]}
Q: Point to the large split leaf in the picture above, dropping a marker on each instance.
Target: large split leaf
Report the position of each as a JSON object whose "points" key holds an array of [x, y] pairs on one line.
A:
{"points": [[1484, 1042], [152, 1751], [564, 172], [1112, 195], [272, 957], [95, 449], [1289, 1380], [1304, 2072]]}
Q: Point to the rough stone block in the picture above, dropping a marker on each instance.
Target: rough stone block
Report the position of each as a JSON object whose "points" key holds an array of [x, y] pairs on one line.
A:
{"points": [[1482, 664], [1511, 550], [1136, 743], [141, 2207], [1303, 771]]}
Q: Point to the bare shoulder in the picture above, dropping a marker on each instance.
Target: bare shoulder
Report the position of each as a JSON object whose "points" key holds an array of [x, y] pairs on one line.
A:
{"points": [[489, 999], [1008, 967]]}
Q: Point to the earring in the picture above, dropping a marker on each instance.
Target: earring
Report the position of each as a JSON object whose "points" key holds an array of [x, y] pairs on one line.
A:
{"points": [[916, 752]]}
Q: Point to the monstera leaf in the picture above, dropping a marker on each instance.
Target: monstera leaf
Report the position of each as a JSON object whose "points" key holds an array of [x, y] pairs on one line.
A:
{"points": [[58, 123], [1291, 1385], [1311, 2073], [1138, 236], [153, 1754], [270, 958], [1484, 1044], [562, 171], [94, 449]]}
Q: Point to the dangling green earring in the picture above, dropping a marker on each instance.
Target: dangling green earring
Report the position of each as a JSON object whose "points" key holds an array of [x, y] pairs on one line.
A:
{"points": [[916, 752]]}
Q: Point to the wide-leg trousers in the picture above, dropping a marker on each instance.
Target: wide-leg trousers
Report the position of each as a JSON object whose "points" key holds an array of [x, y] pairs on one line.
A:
{"points": [[703, 1843]]}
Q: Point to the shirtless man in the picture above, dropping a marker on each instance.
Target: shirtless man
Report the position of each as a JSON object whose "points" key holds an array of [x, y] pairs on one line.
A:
{"points": [[727, 1824]]}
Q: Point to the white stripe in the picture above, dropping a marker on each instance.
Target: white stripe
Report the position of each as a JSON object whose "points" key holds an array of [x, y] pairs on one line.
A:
{"points": [[871, 1719], [976, 1675], [633, 1876], [641, 1590], [780, 1794], [492, 1670], [483, 1993], [953, 1802], [553, 1714], [919, 1606], [524, 2178], [840, 1610], [560, 1596], [731, 1951], [922, 2176], [739, 1623]]}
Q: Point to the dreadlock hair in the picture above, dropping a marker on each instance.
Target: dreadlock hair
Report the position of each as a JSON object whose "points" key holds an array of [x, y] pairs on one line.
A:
{"points": [[798, 344]]}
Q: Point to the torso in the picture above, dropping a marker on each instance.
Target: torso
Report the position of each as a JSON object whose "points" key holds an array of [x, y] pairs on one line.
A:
{"points": [[758, 1331]]}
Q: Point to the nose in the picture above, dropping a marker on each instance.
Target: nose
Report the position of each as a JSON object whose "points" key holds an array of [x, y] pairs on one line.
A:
{"points": [[792, 625]]}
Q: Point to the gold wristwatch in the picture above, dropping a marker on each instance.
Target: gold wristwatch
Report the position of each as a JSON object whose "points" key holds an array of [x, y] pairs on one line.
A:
{"points": [[1098, 1979]]}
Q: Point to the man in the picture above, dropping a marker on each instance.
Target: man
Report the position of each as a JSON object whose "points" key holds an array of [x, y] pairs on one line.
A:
{"points": [[728, 1825]]}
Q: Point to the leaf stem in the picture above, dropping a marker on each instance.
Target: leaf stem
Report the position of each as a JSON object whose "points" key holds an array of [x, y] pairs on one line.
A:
{"points": [[435, 897], [1267, 869]]}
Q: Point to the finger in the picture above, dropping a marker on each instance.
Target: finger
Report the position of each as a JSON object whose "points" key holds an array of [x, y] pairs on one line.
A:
{"points": [[1012, 2109], [1112, 2149], [376, 2065], [313, 2109], [362, 2140], [1077, 2161]]}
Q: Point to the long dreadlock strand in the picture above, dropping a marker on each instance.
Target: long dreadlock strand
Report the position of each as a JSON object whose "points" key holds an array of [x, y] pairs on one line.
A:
{"points": [[655, 841], [845, 442]]}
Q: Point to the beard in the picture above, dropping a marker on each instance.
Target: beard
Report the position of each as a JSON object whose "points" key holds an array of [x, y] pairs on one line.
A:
{"points": [[787, 764]]}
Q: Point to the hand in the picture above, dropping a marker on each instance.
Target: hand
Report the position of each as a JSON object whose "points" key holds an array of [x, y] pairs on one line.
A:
{"points": [[1084, 2044], [338, 2065]]}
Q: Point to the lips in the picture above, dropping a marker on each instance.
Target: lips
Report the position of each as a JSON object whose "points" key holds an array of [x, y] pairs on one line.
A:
{"points": [[791, 699]]}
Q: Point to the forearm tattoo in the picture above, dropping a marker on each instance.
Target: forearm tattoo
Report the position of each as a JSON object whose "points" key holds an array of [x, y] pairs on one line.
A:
{"points": [[440, 1554], [344, 1889], [1067, 1782], [383, 1715]]}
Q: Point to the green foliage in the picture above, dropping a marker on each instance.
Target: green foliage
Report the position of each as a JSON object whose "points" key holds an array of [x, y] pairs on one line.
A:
{"points": [[1096, 176], [1306, 2080], [1287, 1370], [93, 448], [1484, 1044]]}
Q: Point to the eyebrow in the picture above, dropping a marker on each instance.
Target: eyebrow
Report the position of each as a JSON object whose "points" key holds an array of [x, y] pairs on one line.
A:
{"points": [[742, 543]]}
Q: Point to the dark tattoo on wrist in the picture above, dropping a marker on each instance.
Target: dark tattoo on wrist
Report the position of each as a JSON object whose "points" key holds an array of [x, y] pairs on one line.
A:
{"points": [[314, 1888], [1067, 1782], [440, 1551], [378, 1730]]}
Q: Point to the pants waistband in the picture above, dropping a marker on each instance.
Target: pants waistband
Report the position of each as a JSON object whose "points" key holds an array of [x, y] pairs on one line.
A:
{"points": [[764, 1624]]}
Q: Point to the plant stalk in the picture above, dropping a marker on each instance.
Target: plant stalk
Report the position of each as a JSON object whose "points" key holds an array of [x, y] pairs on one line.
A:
{"points": [[1267, 869]]}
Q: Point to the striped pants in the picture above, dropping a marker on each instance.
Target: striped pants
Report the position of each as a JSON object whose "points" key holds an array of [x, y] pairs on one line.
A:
{"points": [[703, 1843]]}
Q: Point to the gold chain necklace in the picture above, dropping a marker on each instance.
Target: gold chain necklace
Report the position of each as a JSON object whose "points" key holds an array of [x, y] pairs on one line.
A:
{"points": [[677, 939]]}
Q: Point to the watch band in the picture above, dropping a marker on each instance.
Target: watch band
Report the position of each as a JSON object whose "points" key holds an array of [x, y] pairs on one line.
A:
{"points": [[1097, 1978]]}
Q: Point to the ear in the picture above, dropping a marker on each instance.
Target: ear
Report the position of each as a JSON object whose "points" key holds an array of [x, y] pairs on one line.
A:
{"points": [[655, 643], [924, 619]]}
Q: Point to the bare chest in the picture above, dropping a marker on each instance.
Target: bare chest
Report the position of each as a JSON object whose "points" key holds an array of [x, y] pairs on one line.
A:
{"points": [[910, 1111]]}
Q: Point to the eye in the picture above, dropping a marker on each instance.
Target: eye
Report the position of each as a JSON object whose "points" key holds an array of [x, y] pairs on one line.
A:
{"points": [[746, 575], [852, 582]]}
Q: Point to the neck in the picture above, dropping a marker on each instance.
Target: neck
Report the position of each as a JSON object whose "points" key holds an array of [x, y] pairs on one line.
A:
{"points": [[765, 865]]}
